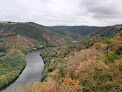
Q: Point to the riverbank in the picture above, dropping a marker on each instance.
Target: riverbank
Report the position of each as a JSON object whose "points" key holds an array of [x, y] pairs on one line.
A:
{"points": [[11, 66], [69, 69], [10, 70], [4, 87], [32, 71]]}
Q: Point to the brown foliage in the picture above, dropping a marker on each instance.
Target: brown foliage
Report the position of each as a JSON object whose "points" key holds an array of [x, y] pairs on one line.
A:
{"points": [[49, 86], [80, 62], [99, 46], [70, 85]]}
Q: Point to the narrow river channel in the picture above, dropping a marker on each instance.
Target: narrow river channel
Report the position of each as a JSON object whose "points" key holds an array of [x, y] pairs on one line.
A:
{"points": [[32, 71]]}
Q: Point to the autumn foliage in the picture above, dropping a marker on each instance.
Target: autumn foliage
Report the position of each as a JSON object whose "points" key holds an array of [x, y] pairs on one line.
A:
{"points": [[68, 69], [67, 85]]}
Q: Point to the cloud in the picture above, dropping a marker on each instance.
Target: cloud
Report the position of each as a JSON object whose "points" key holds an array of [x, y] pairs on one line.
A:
{"points": [[104, 8], [62, 12]]}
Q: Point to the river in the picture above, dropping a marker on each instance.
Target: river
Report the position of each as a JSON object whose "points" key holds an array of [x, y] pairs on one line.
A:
{"points": [[32, 71], [2, 53]]}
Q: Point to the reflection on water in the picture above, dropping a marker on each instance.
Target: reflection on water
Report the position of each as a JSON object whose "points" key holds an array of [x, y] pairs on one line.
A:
{"points": [[32, 71]]}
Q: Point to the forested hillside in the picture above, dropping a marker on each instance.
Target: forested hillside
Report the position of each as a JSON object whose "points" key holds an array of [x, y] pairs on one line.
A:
{"points": [[82, 67], [19, 38], [83, 32], [29, 35], [94, 63], [11, 66]]}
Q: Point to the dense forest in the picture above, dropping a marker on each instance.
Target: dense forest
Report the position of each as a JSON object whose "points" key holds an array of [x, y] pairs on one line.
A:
{"points": [[32, 33], [93, 63], [81, 32], [11, 65], [82, 66], [19, 38]]}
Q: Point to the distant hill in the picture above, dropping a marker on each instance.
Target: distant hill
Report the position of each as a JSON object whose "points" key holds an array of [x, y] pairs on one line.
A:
{"points": [[26, 35], [29, 34], [75, 32], [79, 32], [106, 31]]}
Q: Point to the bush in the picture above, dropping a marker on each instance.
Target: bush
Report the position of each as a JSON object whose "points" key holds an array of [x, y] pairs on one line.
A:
{"points": [[110, 58], [60, 71], [109, 42], [43, 77], [86, 90], [51, 69], [108, 87], [120, 67]]}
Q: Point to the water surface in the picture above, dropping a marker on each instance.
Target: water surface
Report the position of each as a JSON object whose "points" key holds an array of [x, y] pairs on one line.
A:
{"points": [[2, 53], [32, 71]]}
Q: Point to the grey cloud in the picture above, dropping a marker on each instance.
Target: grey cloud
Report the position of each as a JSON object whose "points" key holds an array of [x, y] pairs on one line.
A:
{"points": [[103, 8], [62, 12]]}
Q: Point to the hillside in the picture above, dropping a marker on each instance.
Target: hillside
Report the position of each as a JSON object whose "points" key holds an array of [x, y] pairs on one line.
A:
{"points": [[19, 38], [26, 35], [80, 32], [70, 69], [105, 31], [75, 32], [86, 65], [11, 65]]}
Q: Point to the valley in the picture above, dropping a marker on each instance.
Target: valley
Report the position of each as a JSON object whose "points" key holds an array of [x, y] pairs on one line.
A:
{"points": [[84, 65], [60, 45]]}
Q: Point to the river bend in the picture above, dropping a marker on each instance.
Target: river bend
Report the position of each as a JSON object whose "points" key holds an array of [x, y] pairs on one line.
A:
{"points": [[32, 71]]}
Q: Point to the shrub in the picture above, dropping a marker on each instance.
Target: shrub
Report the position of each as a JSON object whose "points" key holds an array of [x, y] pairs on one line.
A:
{"points": [[120, 66], [60, 71], [109, 42], [110, 58], [86, 90], [43, 77], [51, 69], [108, 87]]}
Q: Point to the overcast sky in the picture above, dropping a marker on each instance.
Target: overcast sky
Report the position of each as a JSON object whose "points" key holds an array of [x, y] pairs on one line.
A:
{"points": [[62, 12]]}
